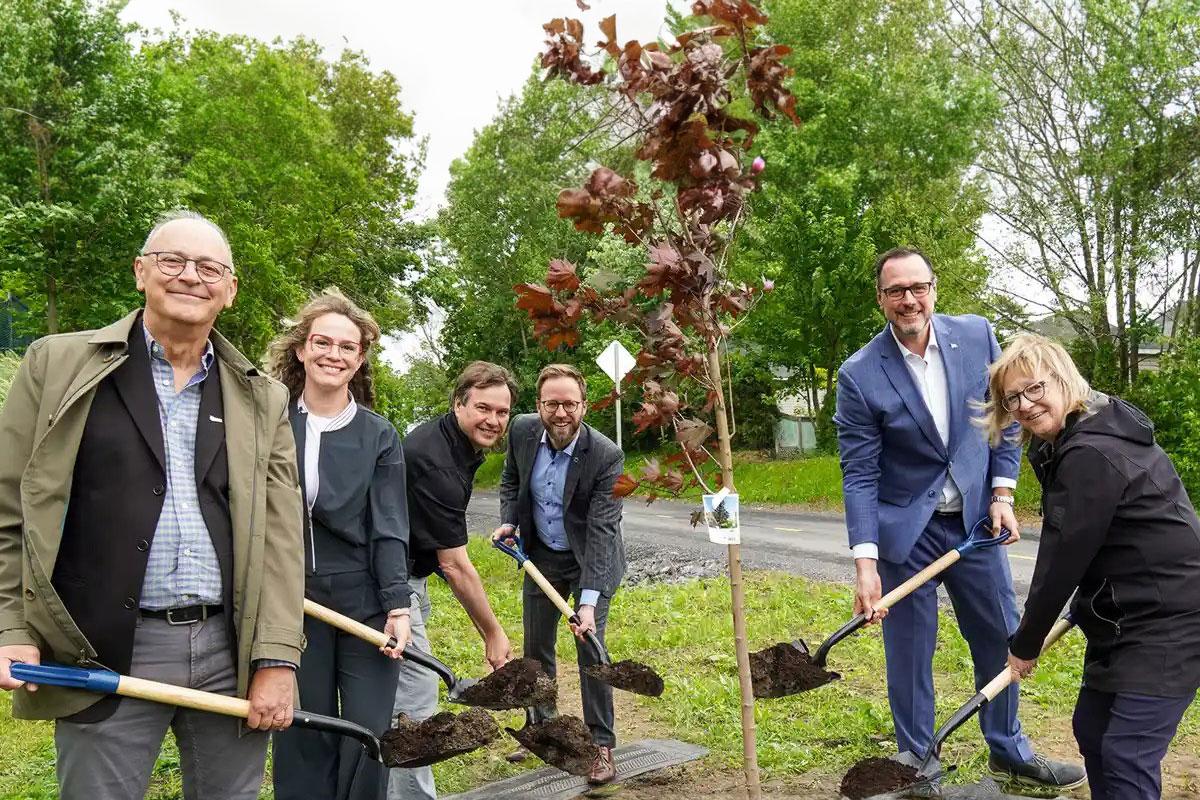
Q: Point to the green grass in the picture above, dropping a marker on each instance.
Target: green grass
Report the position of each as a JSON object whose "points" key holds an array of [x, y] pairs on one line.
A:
{"points": [[8, 370], [814, 482], [684, 631]]}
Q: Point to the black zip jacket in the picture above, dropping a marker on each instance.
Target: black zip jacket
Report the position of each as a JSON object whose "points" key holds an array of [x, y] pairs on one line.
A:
{"points": [[1118, 525]]}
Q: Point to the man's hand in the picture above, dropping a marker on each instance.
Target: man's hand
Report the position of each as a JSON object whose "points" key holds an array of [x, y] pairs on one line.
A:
{"points": [[21, 653], [399, 627], [1003, 517], [504, 532], [1020, 668], [587, 621], [497, 649], [270, 696], [868, 588]]}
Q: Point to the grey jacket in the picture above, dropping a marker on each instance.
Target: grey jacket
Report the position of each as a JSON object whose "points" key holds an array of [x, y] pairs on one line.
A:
{"points": [[592, 515]]}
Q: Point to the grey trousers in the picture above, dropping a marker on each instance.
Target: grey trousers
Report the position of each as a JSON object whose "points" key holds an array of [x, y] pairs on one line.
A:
{"points": [[416, 696], [541, 620], [114, 758]]}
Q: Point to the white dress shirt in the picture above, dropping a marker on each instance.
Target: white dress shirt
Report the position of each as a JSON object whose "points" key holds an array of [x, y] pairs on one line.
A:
{"points": [[929, 375]]}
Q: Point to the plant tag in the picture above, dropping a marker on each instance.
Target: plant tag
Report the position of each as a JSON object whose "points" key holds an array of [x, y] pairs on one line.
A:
{"points": [[721, 517]]}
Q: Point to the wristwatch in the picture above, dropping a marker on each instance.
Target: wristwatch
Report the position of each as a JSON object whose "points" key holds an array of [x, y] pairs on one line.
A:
{"points": [[1003, 498]]}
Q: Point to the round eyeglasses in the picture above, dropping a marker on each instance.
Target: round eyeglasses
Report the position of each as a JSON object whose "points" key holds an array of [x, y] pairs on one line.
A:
{"points": [[173, 264], [1033, 392]]}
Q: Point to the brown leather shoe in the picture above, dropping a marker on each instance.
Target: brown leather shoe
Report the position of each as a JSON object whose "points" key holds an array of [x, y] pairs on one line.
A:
{"points": [[603, 769]]}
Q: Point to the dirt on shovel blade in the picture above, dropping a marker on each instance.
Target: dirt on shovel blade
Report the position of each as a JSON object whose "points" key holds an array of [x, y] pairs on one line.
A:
{"points": [[873, 776], [442, 736], [564, 742], [520, 683], [628, 675], [783, 670]]}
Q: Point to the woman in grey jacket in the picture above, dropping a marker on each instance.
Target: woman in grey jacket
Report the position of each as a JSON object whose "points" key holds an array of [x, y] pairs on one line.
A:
{"points": [[355, 545], [1119, 531]]}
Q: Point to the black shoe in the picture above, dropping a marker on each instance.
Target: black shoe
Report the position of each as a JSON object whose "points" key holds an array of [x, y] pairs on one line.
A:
{"points": [[1038, 772]]}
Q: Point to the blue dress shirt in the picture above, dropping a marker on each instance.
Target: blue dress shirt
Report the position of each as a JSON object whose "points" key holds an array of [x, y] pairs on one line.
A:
{"points": [[548, 481]]}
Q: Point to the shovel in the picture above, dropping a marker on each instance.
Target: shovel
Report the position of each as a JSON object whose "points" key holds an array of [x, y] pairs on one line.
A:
{"points": [[518, 684], [472, 732], [808, 669], [925, 772], [631, 676]]}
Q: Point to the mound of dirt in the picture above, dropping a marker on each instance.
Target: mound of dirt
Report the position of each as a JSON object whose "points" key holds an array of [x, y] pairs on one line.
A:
{"points": [[564, 742], [442, 736], [783, 670], [631, 676], [520, 683], [873, 776]]}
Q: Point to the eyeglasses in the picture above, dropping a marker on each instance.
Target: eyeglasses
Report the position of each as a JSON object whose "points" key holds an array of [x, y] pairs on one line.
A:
{"points": [[918, 290], [323, 344], [569, 406], [1033, 392], [173, 264]]}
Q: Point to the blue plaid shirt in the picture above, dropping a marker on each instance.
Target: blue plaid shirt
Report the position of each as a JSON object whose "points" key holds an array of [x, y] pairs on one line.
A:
{"points": [[183, 569]]}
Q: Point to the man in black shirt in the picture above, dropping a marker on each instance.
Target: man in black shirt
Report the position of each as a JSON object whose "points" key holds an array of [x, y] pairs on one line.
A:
{"points": [[441, 457]]}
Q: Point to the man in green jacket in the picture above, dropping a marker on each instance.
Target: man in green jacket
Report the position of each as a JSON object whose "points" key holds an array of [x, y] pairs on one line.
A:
{"points": [[150, 523]]}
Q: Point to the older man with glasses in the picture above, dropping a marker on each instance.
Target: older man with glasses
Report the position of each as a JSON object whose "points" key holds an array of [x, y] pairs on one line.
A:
{"points": [[150, 524], [916, 477]]}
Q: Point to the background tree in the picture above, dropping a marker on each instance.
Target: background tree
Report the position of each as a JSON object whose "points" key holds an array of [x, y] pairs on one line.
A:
{"points": [[84, 164]]}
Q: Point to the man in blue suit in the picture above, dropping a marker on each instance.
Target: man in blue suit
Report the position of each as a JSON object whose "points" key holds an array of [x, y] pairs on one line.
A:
{"points": [[916, 477]]}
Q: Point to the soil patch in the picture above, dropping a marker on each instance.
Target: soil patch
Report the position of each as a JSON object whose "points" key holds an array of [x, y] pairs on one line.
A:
{"points": [[783, 670], [628, 675], [442, 736], [564, 742], [874, 776], [520, 683]]}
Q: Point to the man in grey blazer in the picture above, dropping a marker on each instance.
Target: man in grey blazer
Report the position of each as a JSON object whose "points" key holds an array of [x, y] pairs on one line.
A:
{"points": [[557, 489]]}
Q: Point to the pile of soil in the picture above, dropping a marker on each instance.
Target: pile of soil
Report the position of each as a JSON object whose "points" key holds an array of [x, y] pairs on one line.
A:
{"points": [[520, 683], [783, 670], [442, 736], [564, 742], [873, 776], [631, 676]]}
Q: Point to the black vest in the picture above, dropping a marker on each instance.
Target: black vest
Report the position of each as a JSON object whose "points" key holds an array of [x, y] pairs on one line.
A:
{"points": [[117, 491]]}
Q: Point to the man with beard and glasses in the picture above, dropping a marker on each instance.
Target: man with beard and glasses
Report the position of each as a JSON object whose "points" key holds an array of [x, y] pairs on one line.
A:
{"points": [[557, 489], [441, 458], [917, 476]]}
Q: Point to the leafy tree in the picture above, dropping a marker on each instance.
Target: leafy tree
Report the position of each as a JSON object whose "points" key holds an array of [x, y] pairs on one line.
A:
{"points": [[1169, 399], [892, 124], [301, 160], [83, 162], [421, 393]]}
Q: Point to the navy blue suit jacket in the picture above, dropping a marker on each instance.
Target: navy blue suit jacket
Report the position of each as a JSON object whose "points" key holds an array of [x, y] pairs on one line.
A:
{"points": [[893, 460]]}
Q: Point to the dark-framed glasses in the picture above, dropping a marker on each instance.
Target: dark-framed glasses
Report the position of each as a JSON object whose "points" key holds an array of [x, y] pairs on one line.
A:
{"points": [[569, 406], [1033, 392], [173, 264], [323, 344], [918, 290]]}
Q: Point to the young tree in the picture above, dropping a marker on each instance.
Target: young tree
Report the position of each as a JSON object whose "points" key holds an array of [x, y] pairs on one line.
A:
{"points": [[690, 108]]}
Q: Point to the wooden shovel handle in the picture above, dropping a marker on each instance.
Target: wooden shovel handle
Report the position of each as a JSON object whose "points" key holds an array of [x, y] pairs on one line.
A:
{"points": [[157, 692], [909, 586], [556, 598], [999, 683], [350, 626]]}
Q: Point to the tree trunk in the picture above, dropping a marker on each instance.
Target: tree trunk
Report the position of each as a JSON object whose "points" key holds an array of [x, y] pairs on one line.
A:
{"points": [[736, 588], [51, 304]]}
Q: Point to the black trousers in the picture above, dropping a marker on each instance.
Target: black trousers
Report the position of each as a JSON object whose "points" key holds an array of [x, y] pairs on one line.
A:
{"points": [[339, 676], [1123, 738], [541, 620]]}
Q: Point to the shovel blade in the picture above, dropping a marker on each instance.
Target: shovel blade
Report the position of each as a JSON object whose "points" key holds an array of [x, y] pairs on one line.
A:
{"points": [[442, 736], [520, 683], [631, 676], [785, 670], [564, 742]]}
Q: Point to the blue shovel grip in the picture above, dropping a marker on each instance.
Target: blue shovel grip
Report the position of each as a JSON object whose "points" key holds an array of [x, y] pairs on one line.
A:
{"points": [[513, 549], [974, 542], [92, 680]]}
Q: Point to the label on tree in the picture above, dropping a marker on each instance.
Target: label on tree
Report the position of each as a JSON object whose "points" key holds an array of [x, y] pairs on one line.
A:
{"points": [[721, 517]]}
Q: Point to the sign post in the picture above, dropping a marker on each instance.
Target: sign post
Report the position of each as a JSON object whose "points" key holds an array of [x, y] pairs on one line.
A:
{"points": [[616, 362]]}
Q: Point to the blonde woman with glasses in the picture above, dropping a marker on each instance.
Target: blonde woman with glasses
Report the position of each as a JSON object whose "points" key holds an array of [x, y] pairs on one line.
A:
{"points": [[1120, 533], [355, 544]]}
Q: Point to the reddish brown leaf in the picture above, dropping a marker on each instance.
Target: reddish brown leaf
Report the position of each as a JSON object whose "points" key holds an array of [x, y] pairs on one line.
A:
{"points": [[561, 276], [672, 481], [608, 27], [651, 471], [692, 433], [533, 298], [624, 486], [582, 5], [647, 416]]}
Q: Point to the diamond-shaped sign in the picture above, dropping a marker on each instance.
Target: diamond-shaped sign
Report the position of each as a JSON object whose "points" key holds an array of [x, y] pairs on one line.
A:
{"points": [[616, 361]]}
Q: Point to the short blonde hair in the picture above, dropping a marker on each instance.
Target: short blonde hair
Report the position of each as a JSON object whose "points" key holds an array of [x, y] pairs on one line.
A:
{"points": [[561, 371], [1029, 354]]}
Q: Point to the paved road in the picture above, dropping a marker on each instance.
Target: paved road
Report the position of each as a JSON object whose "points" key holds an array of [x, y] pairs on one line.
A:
{"points": [[802, 543]]}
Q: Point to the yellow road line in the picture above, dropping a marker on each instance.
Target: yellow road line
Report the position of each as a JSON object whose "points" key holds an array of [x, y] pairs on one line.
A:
{"points": [[1027, 558], [791, 530]]}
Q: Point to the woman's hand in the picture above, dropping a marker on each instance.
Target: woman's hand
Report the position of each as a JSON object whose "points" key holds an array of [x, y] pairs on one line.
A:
{"points": [[398, 626], [1020, 667]]}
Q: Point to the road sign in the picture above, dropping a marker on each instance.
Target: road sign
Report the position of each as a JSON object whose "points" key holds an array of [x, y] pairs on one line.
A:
{"points": [[616, 362]]}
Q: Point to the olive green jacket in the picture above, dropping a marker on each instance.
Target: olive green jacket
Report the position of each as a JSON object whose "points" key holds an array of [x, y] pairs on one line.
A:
{"points": [[41, 426]]}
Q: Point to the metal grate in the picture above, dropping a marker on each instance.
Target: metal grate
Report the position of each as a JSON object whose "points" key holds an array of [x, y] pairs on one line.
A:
{"points": [[986, 789], [549, 783]]}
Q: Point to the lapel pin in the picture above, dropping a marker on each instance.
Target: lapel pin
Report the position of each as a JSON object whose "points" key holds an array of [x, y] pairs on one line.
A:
{"points": [[211, 418]]}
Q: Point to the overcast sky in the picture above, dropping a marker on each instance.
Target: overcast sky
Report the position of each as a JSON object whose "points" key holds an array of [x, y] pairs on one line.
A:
{"points": [[455, 59]]}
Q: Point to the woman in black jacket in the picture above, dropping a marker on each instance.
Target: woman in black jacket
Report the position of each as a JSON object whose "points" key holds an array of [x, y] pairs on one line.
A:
{"points": [[1119, 531], [355, 545]]}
